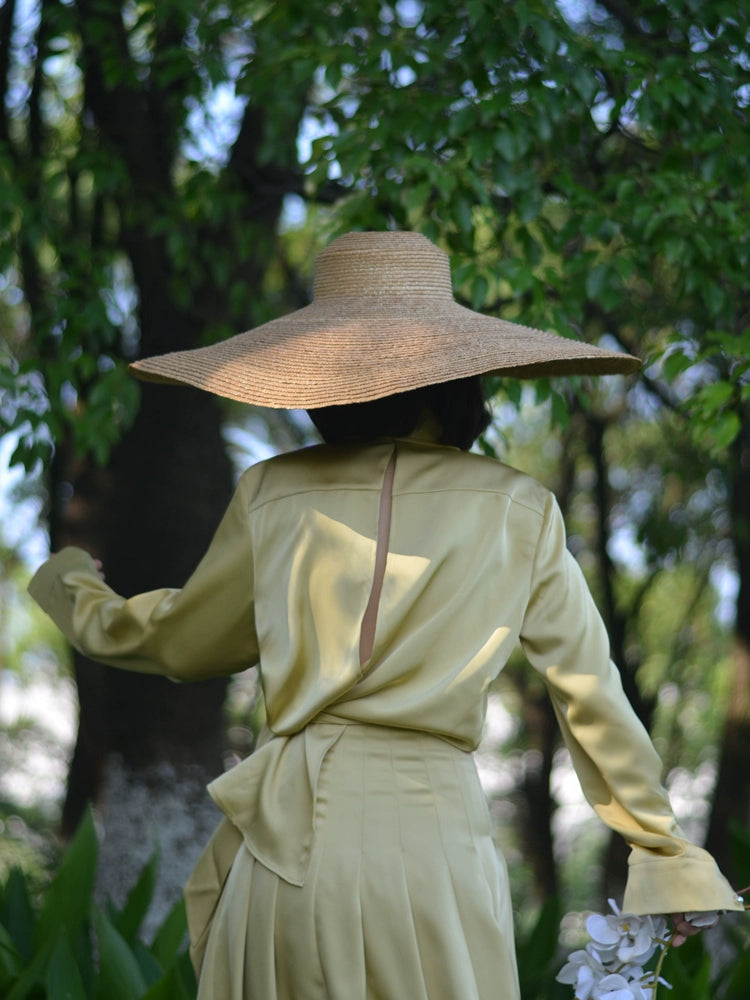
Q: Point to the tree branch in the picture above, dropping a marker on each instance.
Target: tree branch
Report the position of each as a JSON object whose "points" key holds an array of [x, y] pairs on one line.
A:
{"points": [[119, 102], [167, 100], [616, 621]]}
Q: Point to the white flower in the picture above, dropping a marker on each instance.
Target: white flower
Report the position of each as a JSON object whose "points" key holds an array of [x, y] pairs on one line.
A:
{"points": [[617, 987], [706, 918], [611, 966], [625, 937], [583, 971]]}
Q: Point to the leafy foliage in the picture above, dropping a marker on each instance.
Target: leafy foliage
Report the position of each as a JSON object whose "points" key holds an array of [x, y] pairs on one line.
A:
{"points": [[64, 947], [584, 165]]}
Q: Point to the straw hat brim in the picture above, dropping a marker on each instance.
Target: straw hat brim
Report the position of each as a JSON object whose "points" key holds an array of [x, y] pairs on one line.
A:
{"points": [[316, 357], [383, 320]]}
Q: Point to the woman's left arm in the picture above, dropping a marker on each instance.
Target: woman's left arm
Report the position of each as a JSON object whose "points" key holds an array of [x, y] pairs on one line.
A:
{"points": [[565, 640]]}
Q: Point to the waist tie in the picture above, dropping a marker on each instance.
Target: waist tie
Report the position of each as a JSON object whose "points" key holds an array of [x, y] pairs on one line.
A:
{"points": [[270, 798], [268, 801]]}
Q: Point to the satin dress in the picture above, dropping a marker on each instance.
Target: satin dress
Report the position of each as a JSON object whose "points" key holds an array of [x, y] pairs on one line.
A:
{"points": [[381, 590]]}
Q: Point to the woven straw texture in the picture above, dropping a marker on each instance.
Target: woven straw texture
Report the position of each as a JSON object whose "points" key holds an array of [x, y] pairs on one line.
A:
{"points": [[383, 320]]}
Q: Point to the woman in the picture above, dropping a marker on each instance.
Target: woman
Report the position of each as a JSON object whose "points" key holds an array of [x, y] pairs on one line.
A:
{"points": [[381, 581]]}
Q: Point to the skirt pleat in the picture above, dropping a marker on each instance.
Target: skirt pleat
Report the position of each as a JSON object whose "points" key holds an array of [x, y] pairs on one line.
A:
{"points": [[406, 897]]}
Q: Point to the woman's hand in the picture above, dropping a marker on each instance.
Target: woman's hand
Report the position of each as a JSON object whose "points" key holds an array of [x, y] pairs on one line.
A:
{"points": [[97, 563], [685, 928]]}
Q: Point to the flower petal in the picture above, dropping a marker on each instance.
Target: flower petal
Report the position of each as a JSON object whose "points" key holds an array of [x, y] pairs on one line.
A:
{"points": [[601, 930]]}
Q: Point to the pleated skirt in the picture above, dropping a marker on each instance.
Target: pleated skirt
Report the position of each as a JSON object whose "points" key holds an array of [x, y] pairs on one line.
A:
{"points": [[406, 897]]}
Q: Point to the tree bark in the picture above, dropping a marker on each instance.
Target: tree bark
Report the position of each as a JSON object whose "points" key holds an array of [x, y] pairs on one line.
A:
{"points": [[145, 746], [731, 799]]}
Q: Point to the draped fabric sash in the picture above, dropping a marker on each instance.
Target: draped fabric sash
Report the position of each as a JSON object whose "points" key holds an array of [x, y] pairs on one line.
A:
{"points": [[268, 801], [270, 798]]}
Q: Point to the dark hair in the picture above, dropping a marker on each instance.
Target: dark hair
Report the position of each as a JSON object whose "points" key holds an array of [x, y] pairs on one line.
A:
{"points": [[458, 406]]}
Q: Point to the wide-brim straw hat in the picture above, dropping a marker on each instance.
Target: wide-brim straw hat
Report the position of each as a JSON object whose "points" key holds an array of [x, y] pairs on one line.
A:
{"points": [[383, 320]]}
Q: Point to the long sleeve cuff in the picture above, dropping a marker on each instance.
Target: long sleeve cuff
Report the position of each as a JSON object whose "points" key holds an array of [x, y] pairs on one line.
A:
{"points": [[679, 883], [49, 591]]}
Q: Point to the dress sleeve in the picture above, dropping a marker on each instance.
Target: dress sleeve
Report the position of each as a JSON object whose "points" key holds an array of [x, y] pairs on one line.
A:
{"points": [[206, 629], [564, 638]]}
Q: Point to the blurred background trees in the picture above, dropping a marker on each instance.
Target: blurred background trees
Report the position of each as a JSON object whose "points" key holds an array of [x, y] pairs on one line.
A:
{"points": [[168, 172]]}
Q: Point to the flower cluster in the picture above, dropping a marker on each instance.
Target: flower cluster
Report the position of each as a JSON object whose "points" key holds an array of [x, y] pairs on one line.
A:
{"points": [[612, 966]]}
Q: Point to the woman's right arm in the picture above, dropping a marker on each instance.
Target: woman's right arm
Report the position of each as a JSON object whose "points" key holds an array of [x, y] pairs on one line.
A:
{"points": [[205, 629]]}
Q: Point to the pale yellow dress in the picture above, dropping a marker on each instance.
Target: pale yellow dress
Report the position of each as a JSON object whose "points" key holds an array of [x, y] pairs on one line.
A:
{"points": [[357, 858]]}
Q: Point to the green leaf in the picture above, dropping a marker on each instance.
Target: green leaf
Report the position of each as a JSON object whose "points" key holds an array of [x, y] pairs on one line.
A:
{"points": [[178, 983], [481, 145], [714, 296], [445, 182], [536, 950], [513, 389], [596, 281], [585, 83], [542, 391], [170, 936], [63, 979], [151, 970], [129, 920], [713, 397], [11, 963], [480, 286], [68, 899], [738, 987], [32, 975], [676, 249], [417, 196], [688, 969], [545, 32], [16, 913], [462, 213], [674, 364], [529, 205], [559, 411], [506, 143], [120, 976], [724, 430]]}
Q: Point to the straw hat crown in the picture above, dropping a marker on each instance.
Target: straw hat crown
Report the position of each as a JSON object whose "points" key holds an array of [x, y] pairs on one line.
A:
{"points": [[382, 267], [383, 320]]}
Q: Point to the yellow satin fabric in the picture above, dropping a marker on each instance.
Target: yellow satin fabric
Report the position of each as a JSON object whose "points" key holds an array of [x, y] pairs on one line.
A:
{"points": [[477, 563], [405, 893]]}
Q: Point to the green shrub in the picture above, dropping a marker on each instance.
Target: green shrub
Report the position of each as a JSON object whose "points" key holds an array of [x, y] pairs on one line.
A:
{"points": [[64, 947]]}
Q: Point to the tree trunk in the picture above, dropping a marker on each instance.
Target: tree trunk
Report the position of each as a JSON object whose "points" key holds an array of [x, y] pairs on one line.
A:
{"points": [[731, 800], [536, 803], [146, 747], [614, 870]]}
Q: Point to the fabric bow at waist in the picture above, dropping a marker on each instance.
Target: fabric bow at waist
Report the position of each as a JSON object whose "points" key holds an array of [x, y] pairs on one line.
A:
{"points": [[270, 798]]}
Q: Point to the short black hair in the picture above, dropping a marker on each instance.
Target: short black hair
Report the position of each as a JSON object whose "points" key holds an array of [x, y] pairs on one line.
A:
{"points": [[458, 406]]}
